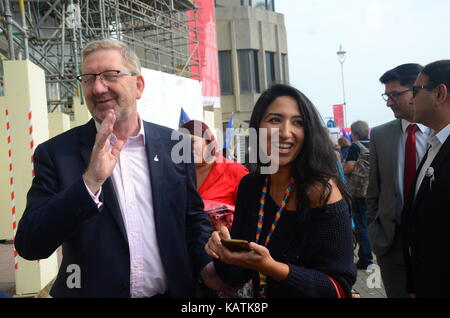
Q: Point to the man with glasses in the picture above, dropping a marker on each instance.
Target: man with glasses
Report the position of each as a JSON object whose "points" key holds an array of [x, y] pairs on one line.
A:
{"points": [[396, 149], [426, 217], [125, 214]]}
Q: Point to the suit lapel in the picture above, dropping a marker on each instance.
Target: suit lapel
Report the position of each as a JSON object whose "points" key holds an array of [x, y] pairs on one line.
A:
{"points": [[412, 194], [113, 207], [437, 163], [395, 133], [156, 159], [87, 140]]}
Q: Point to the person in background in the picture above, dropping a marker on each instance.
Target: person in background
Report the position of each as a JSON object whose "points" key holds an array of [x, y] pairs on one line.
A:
{"points": [[217, 180], [344, 145], [389, 174], [295, 214], [360, 134], [217, 177]]}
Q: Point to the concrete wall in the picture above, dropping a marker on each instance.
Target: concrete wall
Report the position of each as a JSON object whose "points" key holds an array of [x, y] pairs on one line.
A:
{"points": [[242, 27], [26, 102]]}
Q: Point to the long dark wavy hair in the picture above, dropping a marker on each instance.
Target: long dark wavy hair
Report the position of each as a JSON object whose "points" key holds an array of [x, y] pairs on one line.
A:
{"points": [[316, 162]]}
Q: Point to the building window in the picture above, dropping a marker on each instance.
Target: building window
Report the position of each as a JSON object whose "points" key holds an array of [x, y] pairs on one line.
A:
{"points": [[284, 68], [218, 5], [226, 80], [261, 4], [270, 68], [248, 71]]}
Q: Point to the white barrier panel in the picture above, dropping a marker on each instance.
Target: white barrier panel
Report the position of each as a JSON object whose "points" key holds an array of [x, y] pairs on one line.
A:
{"points": [[81, 113], [58, 123], [165, 94], [6, 229], [25, 105]]}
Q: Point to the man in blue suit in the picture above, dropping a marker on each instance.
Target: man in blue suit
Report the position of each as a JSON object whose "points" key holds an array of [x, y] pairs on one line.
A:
{"points": [[127, 215]]}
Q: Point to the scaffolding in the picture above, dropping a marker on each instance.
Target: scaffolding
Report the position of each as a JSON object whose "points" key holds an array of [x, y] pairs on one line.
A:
{"points": [[51, 34]]}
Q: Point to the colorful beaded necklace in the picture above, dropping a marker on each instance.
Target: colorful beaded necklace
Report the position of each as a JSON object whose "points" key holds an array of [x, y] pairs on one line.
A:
{"points": [[262, 276]]}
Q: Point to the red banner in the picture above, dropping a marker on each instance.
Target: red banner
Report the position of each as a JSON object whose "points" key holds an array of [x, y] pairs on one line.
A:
{"points": [[338, 113], [204, 21]]}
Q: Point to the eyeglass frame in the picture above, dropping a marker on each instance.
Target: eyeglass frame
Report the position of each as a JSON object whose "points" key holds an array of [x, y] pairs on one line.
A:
{"points": [[415, 88], [394, 95], [80, 77]]}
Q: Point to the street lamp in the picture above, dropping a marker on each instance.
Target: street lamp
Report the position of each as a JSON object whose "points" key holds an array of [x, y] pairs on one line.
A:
{"points": [[341, 58]]}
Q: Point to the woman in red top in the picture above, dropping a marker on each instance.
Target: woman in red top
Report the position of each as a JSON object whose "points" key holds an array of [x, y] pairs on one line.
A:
{"points": [[217, 177], [217, 182]]}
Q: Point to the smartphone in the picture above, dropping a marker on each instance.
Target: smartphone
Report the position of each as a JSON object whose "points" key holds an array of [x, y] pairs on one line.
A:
{"points": [[236, 245]]}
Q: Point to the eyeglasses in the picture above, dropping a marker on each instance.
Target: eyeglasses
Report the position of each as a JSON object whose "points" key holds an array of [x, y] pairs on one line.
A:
{"points": [[394, 95], [415, 89], [110, 76]]}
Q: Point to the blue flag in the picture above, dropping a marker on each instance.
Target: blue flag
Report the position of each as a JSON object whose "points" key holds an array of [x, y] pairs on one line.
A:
{"points": [[229, 138], [183, 118], [347, 135]]}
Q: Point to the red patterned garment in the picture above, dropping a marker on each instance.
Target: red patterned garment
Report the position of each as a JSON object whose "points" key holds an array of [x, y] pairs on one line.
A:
{"points": [[219, 190]]}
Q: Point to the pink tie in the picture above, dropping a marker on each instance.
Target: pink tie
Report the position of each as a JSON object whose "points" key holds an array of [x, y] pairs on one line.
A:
{"points": [[410, 159]]}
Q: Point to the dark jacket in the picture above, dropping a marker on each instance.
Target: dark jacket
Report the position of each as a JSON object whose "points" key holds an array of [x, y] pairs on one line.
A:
{"points": [[425, 227], [60, 212]]}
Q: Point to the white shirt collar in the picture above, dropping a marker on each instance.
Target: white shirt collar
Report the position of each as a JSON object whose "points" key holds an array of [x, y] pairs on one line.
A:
{"points": [[140, 133], [423, 129], [440, 136]]}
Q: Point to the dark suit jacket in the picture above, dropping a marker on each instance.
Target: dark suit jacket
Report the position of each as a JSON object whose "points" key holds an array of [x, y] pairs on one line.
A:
{"points": [[60, 212], [426, 221]]}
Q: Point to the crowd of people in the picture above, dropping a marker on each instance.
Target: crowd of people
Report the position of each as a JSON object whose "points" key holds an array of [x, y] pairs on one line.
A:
{"points": [[134, 220], [401, 215]]}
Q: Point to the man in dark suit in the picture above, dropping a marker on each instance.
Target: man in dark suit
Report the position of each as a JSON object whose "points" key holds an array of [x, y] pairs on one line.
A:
{"points": [[127, 215], [426, 216]]}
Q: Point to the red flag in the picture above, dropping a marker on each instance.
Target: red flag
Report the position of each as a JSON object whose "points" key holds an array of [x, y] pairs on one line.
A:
{"points": [[205, 22], [338, 112]]}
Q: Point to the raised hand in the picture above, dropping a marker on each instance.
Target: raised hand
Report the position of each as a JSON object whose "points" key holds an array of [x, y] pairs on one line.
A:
{"points": [[103, 157]]}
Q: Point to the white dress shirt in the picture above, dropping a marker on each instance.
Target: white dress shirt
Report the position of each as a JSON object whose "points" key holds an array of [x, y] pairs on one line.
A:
{"points": [[435, 141], [422, 135], [131, 181]]}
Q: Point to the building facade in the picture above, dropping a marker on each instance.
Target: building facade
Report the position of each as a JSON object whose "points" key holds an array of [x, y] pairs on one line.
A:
{"points": [[252, 48]]}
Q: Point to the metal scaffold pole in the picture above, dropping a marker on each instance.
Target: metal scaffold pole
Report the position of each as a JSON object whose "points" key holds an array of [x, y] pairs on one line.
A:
{"points": [[51, 34]]}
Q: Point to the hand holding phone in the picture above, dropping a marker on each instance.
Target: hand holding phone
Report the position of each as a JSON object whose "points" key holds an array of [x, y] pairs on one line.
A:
{"points": [[236, 245]]}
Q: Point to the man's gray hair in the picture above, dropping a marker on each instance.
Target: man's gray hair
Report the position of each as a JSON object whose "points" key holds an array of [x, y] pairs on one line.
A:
{"points": [[361, 129], [129, 56]]}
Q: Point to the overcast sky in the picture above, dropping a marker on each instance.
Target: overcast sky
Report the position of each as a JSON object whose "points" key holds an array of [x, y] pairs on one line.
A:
{"points": [[377, 35]]}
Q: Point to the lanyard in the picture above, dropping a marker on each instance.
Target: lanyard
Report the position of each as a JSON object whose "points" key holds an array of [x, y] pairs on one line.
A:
{"points": [[262, 201]]}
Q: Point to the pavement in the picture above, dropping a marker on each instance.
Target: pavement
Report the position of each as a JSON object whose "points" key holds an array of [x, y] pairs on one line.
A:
{"points": [[368, 283], [7, 283]]}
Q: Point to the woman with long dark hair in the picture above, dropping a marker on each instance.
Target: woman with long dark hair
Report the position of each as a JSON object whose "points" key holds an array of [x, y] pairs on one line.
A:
{"points": [[296, 217]]}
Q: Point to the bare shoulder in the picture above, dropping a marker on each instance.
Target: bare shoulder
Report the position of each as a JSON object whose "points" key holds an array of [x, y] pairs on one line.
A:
{"points": [[318, 193]]}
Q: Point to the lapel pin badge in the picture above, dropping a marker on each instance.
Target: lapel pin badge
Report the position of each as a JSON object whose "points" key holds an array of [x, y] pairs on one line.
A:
{"points": [[156, 158]]}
